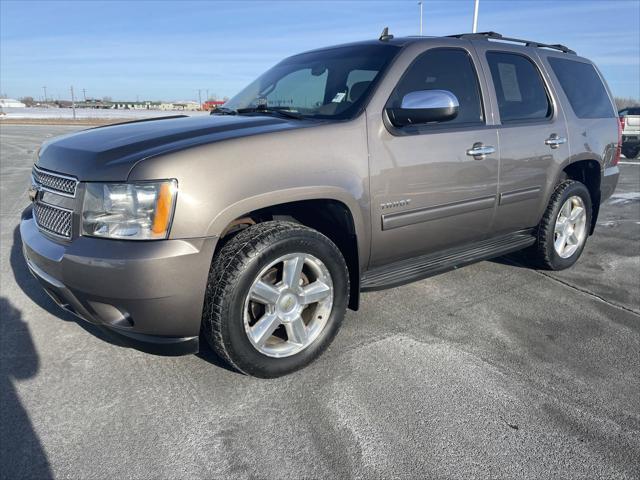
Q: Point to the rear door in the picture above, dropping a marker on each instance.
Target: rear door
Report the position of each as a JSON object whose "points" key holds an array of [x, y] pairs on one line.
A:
{"points": [[532, 133]]}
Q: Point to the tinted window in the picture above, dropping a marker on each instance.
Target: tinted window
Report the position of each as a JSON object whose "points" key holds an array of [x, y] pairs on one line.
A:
{"points": [[583, 87], [519, 87], [444, 69]]}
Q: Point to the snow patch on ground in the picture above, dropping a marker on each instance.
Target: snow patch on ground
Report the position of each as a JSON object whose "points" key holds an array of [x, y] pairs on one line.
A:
{"points": [[45, 113], [624, 198]]}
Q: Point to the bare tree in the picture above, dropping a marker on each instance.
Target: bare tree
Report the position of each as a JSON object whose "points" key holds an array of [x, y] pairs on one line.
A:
{"points": [[625, 102], [28, 101]]}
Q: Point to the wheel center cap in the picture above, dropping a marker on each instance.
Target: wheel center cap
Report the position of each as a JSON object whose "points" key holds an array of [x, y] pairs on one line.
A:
{"points": [[288, 303]]}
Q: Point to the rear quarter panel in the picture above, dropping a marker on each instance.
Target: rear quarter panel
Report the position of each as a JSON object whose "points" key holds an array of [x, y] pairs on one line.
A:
{"points": [[589, 138]]}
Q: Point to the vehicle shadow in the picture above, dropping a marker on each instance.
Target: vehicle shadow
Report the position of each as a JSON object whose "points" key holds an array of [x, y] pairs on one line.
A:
{"points": [[207, 354], [21, 453], [35, 292], [516, 259]]}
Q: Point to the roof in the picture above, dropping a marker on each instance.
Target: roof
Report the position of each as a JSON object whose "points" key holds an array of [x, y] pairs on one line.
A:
{"points": [[483, 36]]}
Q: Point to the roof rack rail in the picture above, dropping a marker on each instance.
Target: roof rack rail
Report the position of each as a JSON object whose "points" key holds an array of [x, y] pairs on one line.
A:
{"points": [[497, 36]]}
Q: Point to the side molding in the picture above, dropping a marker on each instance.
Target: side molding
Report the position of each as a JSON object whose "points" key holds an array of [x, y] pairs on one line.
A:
{"points": [[419, 215], [521, 195]]}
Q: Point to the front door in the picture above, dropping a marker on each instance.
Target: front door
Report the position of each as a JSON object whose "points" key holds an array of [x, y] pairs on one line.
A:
{"points": [[432, 188]]}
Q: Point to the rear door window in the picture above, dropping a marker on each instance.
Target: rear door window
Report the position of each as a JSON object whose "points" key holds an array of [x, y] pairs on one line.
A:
{"points": [[519, 87], [584, 88]]}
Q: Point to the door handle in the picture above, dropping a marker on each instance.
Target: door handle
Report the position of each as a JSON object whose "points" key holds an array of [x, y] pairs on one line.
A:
{"points": [[554, 141], [479, 151]]}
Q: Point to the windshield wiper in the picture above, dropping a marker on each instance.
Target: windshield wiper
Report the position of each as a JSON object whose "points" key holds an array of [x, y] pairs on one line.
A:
{"points": [[224, 111], [283, 111]]}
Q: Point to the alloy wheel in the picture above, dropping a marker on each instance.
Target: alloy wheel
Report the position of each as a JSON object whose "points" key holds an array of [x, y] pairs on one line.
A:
{"points": [[570, 230], [288, 305]]}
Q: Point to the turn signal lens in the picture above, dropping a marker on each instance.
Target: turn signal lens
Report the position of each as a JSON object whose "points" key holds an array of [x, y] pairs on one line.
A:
{"points": [[164, 204]]}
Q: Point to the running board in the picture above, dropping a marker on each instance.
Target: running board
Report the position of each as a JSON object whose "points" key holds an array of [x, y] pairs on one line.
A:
{"points": [[413, 269]]}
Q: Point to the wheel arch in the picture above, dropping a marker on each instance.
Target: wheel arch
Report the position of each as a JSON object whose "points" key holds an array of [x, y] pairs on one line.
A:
{"points": [[589, 172], [329, 210]]}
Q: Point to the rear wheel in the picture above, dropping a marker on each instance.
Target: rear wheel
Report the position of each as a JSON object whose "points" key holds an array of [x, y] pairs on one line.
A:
{"points": [[564, 228], [276, 297]]}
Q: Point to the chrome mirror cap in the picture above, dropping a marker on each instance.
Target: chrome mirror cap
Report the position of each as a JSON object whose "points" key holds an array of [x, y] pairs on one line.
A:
{"points": [[429, 99], [424, 106]]}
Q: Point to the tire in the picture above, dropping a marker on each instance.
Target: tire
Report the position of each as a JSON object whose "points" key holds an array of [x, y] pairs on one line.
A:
{"points": [[544, 253], [630, 152], [241, 292]]}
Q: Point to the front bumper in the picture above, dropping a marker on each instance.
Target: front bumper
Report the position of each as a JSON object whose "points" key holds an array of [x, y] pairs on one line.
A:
{"points": [[151, 293]]}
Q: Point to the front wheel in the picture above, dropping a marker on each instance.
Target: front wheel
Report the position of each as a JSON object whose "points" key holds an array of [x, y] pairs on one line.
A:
{"points": [[276, 297], [564, 228]]}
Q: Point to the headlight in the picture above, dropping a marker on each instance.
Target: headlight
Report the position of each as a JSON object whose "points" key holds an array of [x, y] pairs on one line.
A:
{"points": [[132, 211]]}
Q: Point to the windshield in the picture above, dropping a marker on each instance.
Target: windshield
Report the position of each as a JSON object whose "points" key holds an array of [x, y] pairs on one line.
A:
{"points": [[332, 83]]}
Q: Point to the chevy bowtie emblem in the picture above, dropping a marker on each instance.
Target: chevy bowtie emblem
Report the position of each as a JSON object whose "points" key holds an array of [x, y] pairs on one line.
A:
{"points": [[33, 192]]}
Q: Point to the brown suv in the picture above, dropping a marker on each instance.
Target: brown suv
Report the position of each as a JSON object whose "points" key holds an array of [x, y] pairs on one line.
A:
{"points": [[346, 169]]}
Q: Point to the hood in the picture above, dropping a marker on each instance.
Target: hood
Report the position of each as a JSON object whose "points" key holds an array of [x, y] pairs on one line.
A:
{"points": [[109, 153]]}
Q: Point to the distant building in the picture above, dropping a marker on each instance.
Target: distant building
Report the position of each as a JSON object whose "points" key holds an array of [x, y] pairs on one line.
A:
{"points": [[190, 106], [11, 103], [135, 105], [144, 105], [94, 103], [212, 104]]}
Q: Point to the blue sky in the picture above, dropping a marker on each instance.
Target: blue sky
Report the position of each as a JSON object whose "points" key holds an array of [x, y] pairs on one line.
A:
{"points": [[170, 49]]}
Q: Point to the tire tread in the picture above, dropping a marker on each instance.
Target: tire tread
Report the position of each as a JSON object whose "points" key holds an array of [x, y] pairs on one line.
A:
{"points": [[227, 267]]}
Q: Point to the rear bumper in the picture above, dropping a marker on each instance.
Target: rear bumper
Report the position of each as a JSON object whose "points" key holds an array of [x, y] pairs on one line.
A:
{"points": [[609, 182], [150, 293]]}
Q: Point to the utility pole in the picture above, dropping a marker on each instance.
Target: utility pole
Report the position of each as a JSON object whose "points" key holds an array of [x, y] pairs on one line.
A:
{"points": [[420, 3], [207, 94], [200, 98], [475, 16], [84, 94], [45, 93], [73, 103]]}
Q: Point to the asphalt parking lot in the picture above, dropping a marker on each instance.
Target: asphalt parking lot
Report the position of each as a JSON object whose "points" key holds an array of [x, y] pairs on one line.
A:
{"points": [[493, 370]]}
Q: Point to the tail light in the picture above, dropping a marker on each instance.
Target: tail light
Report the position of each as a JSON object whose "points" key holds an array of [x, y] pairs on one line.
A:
{"points": [[616, 157]]}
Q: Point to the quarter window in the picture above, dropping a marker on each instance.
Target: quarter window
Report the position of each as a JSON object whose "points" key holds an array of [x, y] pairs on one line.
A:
{"points": [[444, 69], [519, 87], [583, 87]]}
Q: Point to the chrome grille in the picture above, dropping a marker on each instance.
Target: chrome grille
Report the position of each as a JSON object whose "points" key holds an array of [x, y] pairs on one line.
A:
{"points": [[55, 182], [53, 219]]}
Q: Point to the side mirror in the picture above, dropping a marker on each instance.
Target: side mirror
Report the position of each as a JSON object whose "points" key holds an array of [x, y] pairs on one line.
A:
{"points": [[424, 106]]}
